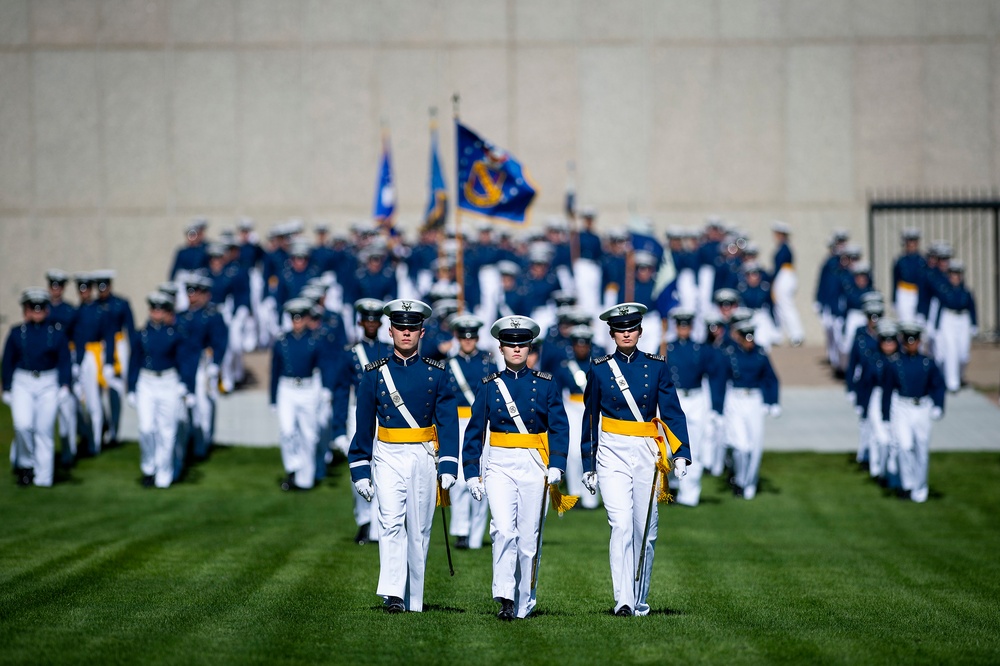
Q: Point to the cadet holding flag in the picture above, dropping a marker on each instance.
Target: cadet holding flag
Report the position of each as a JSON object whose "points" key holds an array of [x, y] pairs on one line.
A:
{"points": [[529, 437], [407, 425], [628, 393]]}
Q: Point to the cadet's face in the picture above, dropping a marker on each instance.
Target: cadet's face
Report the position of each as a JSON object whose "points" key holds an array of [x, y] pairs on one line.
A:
{"points": [[157, 315], [911, 345], [406, 339], [35, 314], [683, 330], [744, 341], [299, 263], [627, 340], [644, 274], [753, 279], [56, 290], [508, 282], [371, 328], [581, 349], [861, 279], [955, 279], [468, 345], [888, 345], [515, 355], [299, 323]]}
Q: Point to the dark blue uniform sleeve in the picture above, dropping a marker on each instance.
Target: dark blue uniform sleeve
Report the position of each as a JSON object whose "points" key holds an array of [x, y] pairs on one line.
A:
{"points": [[135, 360], [446, 419], [769, 383], [341, 395], [936, 386], [276, 368], [672, 414], [359, 456], [715, 369], [63, 363], [558, 427], [218, 338], [475, 432], [11, 355], [591, 421], [889, 383]]}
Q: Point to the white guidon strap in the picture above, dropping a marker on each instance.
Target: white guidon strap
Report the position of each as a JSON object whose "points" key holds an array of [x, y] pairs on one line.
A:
{"points": [[515, 414], [407, 416], [359, 349], [456, 369], [623, 386]]}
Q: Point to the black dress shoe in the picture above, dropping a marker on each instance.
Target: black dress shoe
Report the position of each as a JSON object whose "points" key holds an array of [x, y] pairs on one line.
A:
{"points": [[147, 481], [288, 483], [462, 543], [361, 538], [394, 605], [26, 477], [624, 611], [506, 610]]}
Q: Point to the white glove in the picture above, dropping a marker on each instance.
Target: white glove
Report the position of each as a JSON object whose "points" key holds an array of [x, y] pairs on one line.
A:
{"points": [[859, 410], [717, 420], [936, 413], [7, 398], [590, 482], [774, 411], [75, 369], [63, 393], [447, 481], [273, 408], [476, 488], [78, 390], [974, 331], [555, 476], [181, 391], [852, 397], [364, 488], [680, 467], [109, 371], [189, 400], [341, 443], [212, 371], [131, 399], [326, 397]]}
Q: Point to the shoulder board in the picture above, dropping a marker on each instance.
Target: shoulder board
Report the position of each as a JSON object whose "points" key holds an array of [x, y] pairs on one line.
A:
{"points": [[434, 363], [603, 359], [488, 378], [655, 357], [542, 375], [376, 364]]}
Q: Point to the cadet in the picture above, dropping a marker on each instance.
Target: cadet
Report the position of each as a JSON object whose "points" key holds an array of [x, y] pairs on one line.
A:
{"points": [[912, 396], [623, 451], [189, 259], [752, 391], [63, 316], [296, 394], [784, 285], [956, 325], [522, 411], [693, 365], [36, 377], [408, 399], [883, 459], [119, 327], [571, 376], [907, 276], [367, 350], [88, 343], [866, 345], [466, 370], [154, 384]]}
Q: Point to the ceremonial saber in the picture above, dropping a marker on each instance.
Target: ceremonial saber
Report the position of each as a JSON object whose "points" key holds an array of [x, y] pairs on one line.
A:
{"points": [[447, 542], [649, 520], [538, 542]]}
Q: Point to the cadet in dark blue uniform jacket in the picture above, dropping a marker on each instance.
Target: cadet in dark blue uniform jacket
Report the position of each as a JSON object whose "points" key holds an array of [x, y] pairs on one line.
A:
{"points": [[624, 452], [751, 392], [907, 274], [63, 316], [692, 366], [522, 411], [89, 335], [956, 325], [36, 375], [912, 397], [119, 327], [571, 376], [154, 387], [883, 457], [466, 369], [405, 409]]}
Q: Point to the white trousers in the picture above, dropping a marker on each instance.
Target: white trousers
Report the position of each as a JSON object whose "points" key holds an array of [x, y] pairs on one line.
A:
{"points": [[574, 459], [833, 327], [855, 319], [468, 517], [297, 428], [515, 484], [91, 389], [406, 486], [766, 334], [694, 403], [911, 427], [952, 345], [68, 423], [625, 469], [365, 512], [203, 413], [879, 437], [744, 414], [652, 333], [241, 339], [588, 285], [906, 304], [33, 409], [157, 412], [783, 289]]}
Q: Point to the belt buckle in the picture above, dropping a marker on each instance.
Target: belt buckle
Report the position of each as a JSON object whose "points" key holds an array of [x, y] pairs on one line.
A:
{"points": [[36, 373], [397, 399]]}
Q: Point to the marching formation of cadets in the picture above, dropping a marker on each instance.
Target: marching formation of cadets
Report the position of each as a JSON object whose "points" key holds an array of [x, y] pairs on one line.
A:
{"points": [[897, 371], [423, 409]]}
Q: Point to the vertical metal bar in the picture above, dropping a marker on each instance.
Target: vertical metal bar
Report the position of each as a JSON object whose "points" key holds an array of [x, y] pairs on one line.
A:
{"points": [[996, 272]]}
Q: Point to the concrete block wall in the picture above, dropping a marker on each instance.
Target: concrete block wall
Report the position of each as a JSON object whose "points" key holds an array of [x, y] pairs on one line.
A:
{"points": [[122, 119]]}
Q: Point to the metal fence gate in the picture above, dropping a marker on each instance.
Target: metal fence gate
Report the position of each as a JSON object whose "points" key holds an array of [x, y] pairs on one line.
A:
{"points": [[970, 224]]}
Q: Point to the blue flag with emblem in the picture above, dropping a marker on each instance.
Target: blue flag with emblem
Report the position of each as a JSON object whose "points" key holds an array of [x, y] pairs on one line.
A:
{"points": [[665, 288], [385, 191], [437, 204], [491, 182]]}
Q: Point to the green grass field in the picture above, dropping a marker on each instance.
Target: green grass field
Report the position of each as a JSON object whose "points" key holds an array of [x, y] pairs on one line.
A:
{"points": [[225, 568]]}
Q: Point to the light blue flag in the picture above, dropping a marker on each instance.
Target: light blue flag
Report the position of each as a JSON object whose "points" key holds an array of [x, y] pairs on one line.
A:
{"points": [[385, 191]]}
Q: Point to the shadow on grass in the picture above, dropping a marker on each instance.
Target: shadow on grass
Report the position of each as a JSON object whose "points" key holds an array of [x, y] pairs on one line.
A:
{"points": [[437, 608]]}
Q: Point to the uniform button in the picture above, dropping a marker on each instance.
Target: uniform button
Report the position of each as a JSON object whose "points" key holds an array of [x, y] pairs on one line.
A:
{"points": [[427, 404], [388, 416], [532, 409], [646, 385], [430, 391], [383, 393]]}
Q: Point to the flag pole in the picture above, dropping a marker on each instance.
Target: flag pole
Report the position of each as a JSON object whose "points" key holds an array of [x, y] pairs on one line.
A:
{"points": [[460, 250], [574, 222]]}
